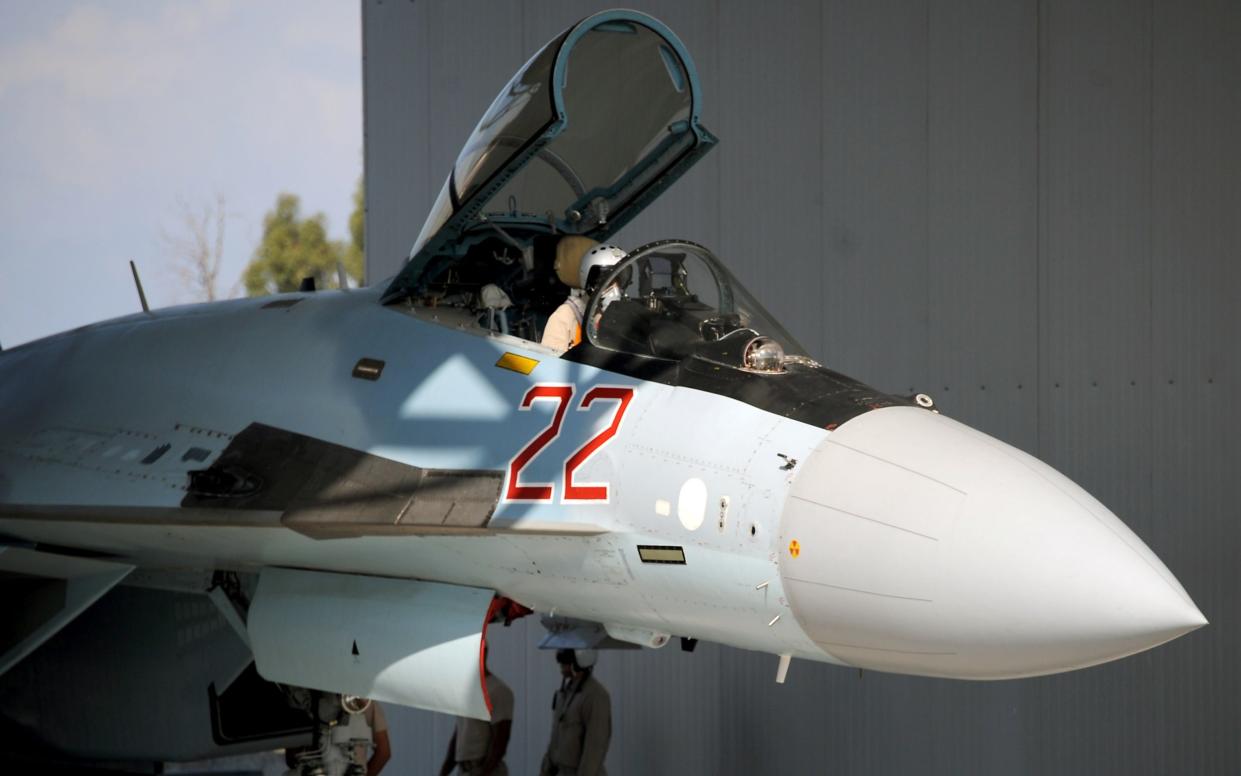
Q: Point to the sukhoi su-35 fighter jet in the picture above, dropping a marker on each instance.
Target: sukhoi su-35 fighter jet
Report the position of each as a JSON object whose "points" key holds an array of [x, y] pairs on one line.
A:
{"points": [[363, 480]]}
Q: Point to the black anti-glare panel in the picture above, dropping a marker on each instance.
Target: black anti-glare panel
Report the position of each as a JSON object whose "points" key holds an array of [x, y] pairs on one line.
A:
{"points": [[328, 490]]}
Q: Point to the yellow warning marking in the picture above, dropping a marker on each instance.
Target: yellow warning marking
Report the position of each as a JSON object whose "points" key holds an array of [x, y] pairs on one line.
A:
{"points": [[794, 548], [516, 363]]}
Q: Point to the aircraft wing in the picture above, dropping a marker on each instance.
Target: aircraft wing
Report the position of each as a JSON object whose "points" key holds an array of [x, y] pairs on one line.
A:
{"points": [[271, 477], [410, 641]]}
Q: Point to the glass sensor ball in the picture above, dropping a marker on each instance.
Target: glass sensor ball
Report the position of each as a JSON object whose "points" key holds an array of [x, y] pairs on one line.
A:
{"points": [[764, 354]]}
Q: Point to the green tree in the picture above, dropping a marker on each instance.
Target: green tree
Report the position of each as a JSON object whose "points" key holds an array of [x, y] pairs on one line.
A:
{"points": [[293, 248]]}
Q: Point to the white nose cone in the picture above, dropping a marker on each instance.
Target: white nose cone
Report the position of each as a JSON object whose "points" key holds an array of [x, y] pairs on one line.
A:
{"points": [[926, 547]]}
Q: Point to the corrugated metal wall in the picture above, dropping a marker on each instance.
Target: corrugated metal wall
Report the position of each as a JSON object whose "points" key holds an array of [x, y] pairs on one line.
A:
{"points": [[1031, 210]]}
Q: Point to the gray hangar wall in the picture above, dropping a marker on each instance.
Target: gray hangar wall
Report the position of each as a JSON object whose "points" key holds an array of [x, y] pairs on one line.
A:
{"points": [[1030, 210]]}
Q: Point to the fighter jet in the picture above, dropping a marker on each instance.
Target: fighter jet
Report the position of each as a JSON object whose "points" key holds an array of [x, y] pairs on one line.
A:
{"points": [[361, 481]]}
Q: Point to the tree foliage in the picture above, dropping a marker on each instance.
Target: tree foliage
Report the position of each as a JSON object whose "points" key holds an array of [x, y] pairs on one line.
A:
{"points": [[294, 247]]}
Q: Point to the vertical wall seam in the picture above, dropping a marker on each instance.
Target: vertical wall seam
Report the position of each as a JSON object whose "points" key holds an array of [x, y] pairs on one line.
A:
{"points": [[1039, 216], [426, 118], [926, 192], [719, 167], [1150, 240], [822, 180]]}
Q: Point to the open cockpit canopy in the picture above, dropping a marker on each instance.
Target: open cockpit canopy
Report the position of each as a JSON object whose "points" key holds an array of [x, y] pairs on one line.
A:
{"points": [[592, 129]]}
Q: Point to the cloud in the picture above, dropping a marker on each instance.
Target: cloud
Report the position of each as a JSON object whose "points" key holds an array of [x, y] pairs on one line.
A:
{"points": [[99, 54], [321, 32], [176, 88], [80, 96]]}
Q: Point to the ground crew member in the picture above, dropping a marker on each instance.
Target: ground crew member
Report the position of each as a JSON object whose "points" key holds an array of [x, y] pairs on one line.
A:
{"points": [[581, 719], [576, 257], [378, 724], [330, 710], [477, 746]]}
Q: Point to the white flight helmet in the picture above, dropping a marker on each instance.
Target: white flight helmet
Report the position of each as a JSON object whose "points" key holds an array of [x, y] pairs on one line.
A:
{"points": [[602, 256], [581, 659], [586, 658]]}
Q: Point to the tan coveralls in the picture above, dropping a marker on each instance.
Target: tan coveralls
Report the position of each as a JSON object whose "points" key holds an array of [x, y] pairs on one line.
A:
{"points": [[581, 730], [564, 328], [474, 735]]}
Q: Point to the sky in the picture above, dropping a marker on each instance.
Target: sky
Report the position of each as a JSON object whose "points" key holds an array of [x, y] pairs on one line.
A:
{"points": [[115, 117]]}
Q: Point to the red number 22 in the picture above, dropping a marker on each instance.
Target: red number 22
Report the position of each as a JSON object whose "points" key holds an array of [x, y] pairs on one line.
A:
{"points": [[575, 492]]}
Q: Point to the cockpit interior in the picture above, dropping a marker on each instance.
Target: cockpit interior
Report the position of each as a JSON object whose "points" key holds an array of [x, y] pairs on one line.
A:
{"points": [[588, 133]]}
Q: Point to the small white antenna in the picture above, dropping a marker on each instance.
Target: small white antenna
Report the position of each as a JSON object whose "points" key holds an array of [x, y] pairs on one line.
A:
{"points": [[142, 297]]}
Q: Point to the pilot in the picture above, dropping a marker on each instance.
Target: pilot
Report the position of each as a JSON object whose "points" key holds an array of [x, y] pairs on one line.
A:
{"points": [[576, 257], [581, 719], [477, 747]]}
